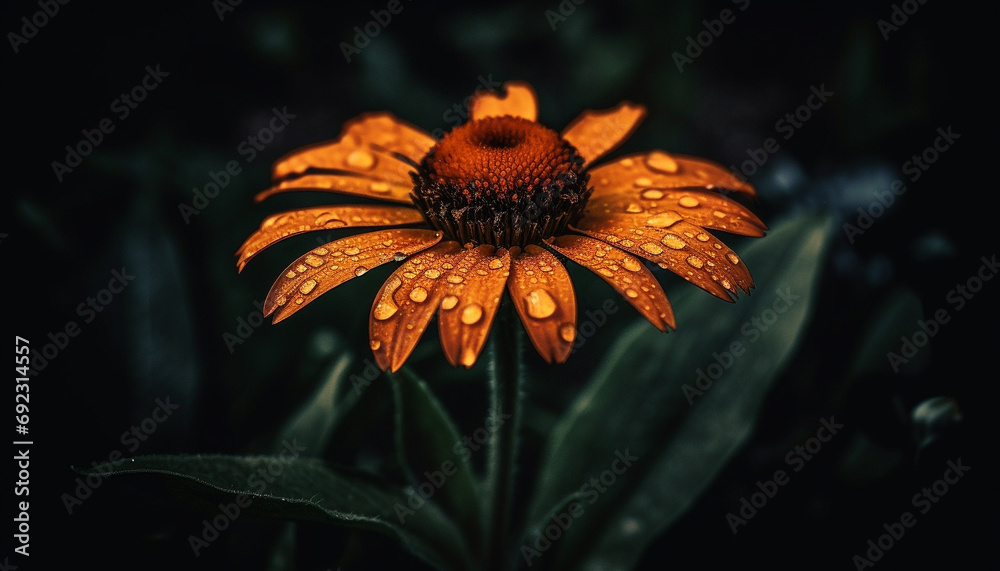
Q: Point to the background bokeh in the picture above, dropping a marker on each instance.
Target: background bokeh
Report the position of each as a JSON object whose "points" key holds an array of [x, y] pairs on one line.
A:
{"points": [[164, 336]]}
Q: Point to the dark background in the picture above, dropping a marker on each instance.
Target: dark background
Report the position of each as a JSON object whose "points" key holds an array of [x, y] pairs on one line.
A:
{"points": [[164, 335]]}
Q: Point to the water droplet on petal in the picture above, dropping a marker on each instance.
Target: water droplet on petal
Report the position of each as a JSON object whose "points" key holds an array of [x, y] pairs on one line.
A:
{"points": [[360, 271], [307, 286], [361, 159], [702, 237], [643, 182], [631, 264], [664, 219], [727, 284], [375, 344], [418, 294], [631, 293], [329, 220], [567, 332], [449, 302], [314, 261], [291, 274], [352, 251], [398, 257], [695, 261], [658, 160], [321, 251], [652, 248], [471, 314], [688, 201], [455, 279], [301, 268], [495, 264], [540, 304], [633, 208], [733, 258], [719, 214], [606, 272], [652, 194], [432, 274], [673, 241], [379, 186], [282, 300]]}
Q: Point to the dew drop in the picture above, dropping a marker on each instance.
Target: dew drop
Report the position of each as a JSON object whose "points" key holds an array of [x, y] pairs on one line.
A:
{"points": [[606, 272], [314, 261], [658, 160], [471, 314], [627, 163], [664, 219], [540, 304], [375, 344], [432, 274], [418, 294], [446, 265], [652, 248], [329, 220], [282, 300], [321, 251], [398, 257], [409, 275], [449, 302], [688, 201], [673, 241], [733, 258], [702, 237], [631, 264], [567, 332], [291, 274], [455, 279], [307, 286], [627, 243], [379, 186], [631, 293], [633, 208], [301, 268], [385, 309], [652, 194], [643, 182], [719, 214], [361, 159], [299, 300], [695, 261], [360, 271], [727, 284], [352, 251]]}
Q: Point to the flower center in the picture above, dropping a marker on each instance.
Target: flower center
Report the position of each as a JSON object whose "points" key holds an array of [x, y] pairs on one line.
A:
{"points": [[504, 181]]}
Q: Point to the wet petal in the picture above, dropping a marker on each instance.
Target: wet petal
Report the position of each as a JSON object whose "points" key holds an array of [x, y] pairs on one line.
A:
{"points": [[542, 292], [519, 101], [685, 249], [369, 145], [662, 208], [628, 275], [280, 226], [406, 303], [334, 263], [658, 169], [468, 307], [345, 183], [594, 133]]}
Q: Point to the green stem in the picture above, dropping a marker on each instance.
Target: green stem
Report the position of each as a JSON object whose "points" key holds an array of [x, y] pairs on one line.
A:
{"points": [[505, 420]]}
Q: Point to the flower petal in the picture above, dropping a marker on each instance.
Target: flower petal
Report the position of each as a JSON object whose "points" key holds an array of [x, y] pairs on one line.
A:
{"points": [[283, 225], [334, 263], [376, 145], [662, 208], [468, 308], [407, 301], [345, 183], [519, 101], [657, 169], [594, 133], [683, 248], [629, 276], [542, 292]]}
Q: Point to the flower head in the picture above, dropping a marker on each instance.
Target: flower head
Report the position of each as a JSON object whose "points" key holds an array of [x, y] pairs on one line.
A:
{"points": [[493, 206]]}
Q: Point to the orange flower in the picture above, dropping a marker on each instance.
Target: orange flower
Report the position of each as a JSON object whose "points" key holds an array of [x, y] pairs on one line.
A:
{"points": [[488, 207]]}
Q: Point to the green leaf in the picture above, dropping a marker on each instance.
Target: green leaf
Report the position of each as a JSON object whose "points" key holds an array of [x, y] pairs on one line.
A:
{"points": [[298, 489], [644, 439], [431, 448]]}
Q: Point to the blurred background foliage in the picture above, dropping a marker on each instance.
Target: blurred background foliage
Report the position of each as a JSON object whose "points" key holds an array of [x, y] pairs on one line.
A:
{"points": [[165, 334]]}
